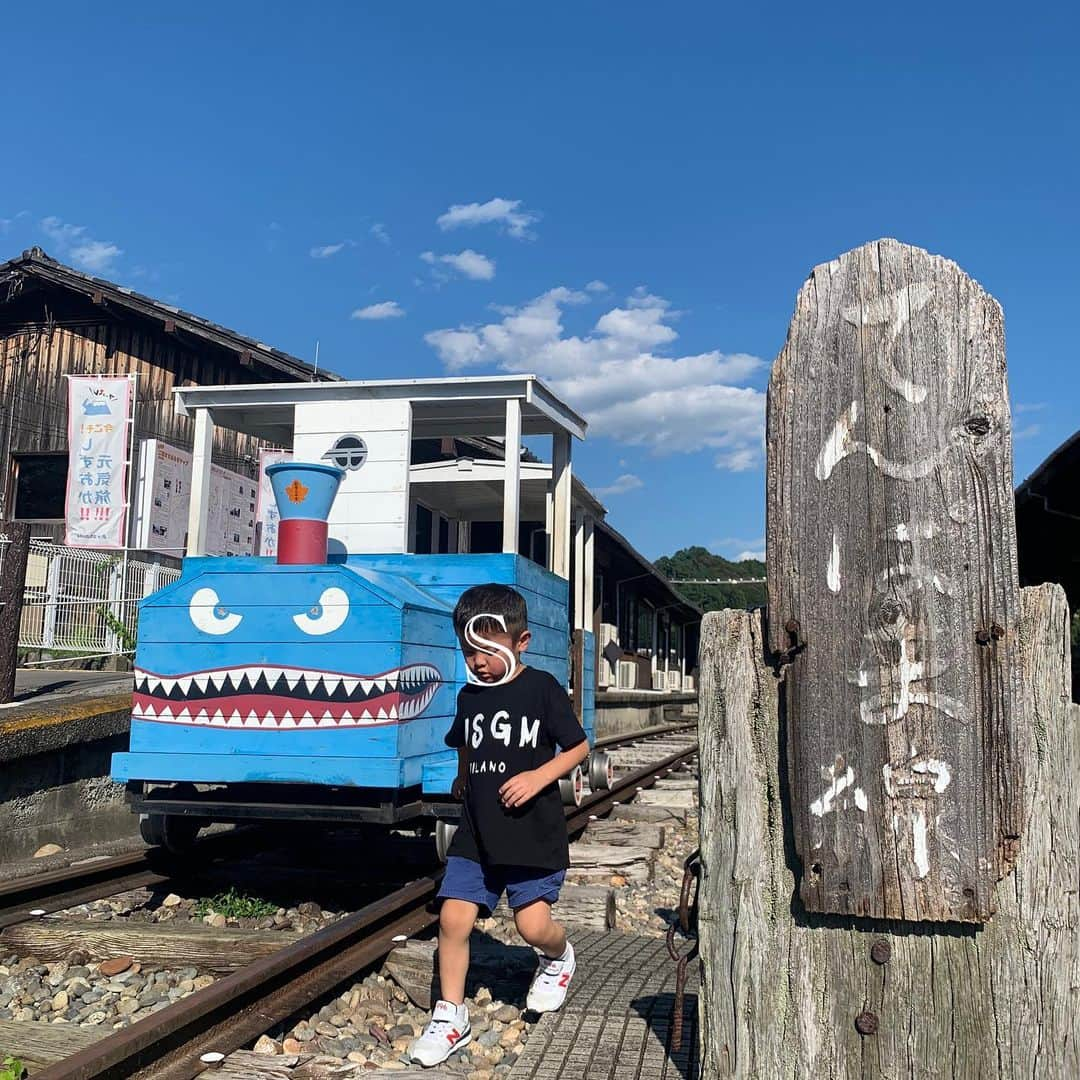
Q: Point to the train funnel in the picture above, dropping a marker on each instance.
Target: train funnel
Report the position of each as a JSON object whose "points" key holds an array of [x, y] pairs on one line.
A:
{"points": [[304, 492]]}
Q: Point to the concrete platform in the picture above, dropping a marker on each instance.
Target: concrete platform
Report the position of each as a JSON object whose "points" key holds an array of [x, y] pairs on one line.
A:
{"points": [[53, 709], [624, 712], [56, 742], [616, 1023]]}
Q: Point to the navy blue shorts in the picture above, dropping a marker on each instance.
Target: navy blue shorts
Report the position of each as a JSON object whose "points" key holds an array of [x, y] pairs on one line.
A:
{"points": [[468, 880]]}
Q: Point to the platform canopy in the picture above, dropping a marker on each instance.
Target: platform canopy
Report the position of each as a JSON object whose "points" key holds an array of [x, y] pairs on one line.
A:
{"points": [[512, 407], [440, 407]]}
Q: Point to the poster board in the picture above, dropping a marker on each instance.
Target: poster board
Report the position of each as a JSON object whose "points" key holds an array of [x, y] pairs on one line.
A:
{"points": [[164, 492], [266, 511]]}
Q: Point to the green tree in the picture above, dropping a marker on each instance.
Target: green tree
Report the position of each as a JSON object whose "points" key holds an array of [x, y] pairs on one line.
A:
{"points": [[699, 562]]}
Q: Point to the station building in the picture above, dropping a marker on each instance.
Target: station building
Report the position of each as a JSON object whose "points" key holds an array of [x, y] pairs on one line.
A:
{"points": [[1048, 532], [57, 321]]}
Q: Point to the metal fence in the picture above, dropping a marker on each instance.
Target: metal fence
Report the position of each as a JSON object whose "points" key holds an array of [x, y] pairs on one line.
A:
{"points": [[85, 602]]}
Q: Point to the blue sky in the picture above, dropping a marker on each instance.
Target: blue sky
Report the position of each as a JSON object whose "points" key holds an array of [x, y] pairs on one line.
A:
{"points": [[623, 197]]}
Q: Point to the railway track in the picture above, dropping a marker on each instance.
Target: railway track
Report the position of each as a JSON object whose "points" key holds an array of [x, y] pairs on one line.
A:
{"points": [[236, 1009]]}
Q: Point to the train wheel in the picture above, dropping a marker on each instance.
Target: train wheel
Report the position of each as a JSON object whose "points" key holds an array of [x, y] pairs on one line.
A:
{"points": [[175, 834], [601, 771], [572, 788], [444, 833]]}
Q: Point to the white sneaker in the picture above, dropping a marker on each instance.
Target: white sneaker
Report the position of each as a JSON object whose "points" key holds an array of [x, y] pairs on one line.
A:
{"points": [[447, 1030], [551, 981]]}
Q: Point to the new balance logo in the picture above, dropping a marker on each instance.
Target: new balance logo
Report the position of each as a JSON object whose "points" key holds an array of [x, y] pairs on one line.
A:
{"points": [[564, 980], [453, 1036]]}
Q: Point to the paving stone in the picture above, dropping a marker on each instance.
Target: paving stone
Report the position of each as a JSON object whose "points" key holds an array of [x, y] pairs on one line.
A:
{"points": [[616, 1023]]}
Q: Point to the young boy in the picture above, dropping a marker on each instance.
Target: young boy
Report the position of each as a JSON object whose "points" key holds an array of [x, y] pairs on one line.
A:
{"points": [[516, 736]]}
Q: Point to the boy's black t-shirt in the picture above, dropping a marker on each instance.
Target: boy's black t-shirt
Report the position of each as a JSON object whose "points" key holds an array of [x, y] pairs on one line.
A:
{"points": [[511, 729]]}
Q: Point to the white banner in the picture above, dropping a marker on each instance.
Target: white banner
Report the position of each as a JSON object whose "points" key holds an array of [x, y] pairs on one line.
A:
{"points": [[96, 503], [164, 492], [266, 511]]}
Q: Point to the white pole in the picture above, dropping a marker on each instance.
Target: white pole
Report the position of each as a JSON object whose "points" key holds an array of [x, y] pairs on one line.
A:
{"points": [[199, 507], [120, 609], [560, 476], [512, 477], [579, 571], [590, 576]]}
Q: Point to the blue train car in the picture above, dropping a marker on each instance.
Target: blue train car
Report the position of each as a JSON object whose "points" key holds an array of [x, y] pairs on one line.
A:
{"points": [[319, 685]]}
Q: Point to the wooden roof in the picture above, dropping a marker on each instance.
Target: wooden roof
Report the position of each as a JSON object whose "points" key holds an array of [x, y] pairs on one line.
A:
{"points": [[35, 266]]}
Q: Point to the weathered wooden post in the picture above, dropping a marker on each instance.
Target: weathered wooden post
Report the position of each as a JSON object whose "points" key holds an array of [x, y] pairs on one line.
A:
{"points": [[15, 537], [862, 815]]}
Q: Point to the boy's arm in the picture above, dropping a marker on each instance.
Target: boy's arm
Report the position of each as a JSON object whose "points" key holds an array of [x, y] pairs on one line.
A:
{"points": [[519, 789], [457, 789]]}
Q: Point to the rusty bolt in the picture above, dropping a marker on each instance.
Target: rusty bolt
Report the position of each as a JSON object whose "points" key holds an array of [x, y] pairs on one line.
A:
{"points": [[983, 637], [792, 626], [866, 1023], [997, 631], [881, 951]]}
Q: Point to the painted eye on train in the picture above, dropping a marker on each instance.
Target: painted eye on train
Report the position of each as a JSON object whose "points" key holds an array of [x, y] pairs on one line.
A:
{"points": [[208, 615], [328, 615]]}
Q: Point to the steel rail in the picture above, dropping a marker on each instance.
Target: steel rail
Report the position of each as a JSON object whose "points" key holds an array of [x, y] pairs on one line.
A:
{"points": [[644, 735], [625, 788], [239, 1007], [68, 886], [235, 1010]]}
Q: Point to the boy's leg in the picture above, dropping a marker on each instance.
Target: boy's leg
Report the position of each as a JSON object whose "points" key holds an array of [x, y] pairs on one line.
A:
{"points": [[456, 921], [464, 890], [531, 898], [535, 924]]}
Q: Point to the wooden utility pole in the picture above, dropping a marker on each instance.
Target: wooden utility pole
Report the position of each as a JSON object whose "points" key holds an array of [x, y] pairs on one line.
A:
{"points": [[15, 537], [890, 813], [788, 994], [893, 587]]}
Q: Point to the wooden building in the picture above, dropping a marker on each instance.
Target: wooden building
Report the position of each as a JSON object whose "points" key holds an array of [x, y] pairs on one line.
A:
{"points": [[1048, 532], [57, 321]]}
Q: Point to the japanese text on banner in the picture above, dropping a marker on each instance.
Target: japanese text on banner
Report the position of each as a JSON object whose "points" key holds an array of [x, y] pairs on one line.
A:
{"points": [[96, 503], [266, 513]]}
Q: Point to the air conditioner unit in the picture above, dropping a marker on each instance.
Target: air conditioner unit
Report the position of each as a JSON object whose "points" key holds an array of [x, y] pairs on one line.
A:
{"points": [[674, 680], [626, 675], [688, 682], [658, 680]]}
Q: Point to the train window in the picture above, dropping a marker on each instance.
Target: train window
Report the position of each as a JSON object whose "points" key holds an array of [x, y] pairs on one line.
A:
{"points": [[40, 486]]}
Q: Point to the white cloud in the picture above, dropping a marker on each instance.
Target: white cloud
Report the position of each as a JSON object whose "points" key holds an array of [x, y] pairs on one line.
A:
{"points": [[737, 543], [469, 263], [597, 286], [1028, 432], [620, 486], [326, 251], [503, 212], [378, 230], [615, 376], [1029, 406], [743, 555], [97, 256], [73, 242], [7, 222], [387, 309]]}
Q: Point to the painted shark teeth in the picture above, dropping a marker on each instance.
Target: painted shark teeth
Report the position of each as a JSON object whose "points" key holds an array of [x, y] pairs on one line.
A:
{"points": [[319, 699]]}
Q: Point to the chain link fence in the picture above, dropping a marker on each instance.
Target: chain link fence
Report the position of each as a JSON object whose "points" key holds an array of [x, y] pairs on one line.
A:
{"points": [[84, 603]]}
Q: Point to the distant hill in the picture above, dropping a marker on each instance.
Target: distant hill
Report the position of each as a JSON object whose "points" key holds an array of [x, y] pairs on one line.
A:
{"points": [[699, 562]]}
